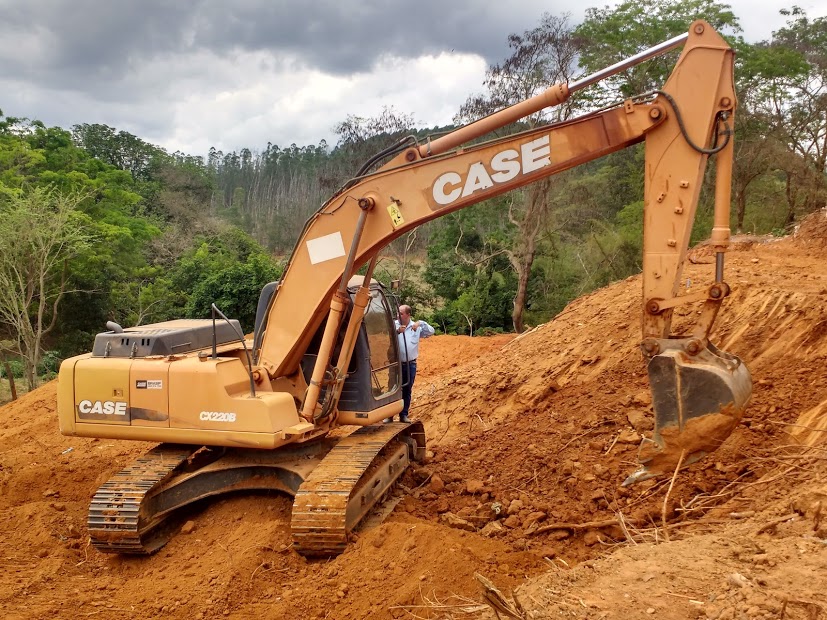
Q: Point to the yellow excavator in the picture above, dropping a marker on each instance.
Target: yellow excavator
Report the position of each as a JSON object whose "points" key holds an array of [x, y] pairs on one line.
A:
{"points": [[236, 413]]}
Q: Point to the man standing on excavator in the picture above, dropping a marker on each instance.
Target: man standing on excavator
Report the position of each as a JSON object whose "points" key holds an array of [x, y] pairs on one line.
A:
{"points": [[408, 334]]}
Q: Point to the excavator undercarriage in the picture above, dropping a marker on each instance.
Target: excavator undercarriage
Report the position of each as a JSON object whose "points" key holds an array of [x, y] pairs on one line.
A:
{"points": [[335, 484]]}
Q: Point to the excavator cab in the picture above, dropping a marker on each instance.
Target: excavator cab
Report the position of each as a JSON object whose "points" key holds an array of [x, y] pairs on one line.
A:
{"points": [[372, 385], [373, 381]]}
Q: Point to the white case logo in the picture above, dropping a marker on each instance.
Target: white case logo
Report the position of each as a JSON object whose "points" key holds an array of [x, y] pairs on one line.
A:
{"points": [[504, 166], [106, 407]]}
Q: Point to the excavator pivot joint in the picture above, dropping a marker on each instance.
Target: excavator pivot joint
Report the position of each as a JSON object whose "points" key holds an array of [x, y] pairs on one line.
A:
{"points": [[650, 347], [366, 203], [653, 307], [719, 290]]}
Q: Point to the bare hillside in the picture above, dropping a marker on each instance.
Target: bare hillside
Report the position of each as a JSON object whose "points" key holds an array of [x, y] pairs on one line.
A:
{"points": [[530, 440]]}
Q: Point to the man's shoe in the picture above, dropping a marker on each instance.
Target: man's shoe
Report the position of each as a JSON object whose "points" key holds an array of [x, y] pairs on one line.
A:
{"points": [[388, 420], [405, 419]]}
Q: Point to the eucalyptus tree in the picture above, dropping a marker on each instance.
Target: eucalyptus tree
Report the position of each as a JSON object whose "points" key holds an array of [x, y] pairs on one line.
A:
{"points": [[540, 57], [794, 74]]}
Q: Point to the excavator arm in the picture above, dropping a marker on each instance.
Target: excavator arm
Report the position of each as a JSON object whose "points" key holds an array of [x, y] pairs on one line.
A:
{"points": [[683, 123]]}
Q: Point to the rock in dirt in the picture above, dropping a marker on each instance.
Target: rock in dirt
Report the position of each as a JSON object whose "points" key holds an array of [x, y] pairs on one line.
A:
{"points": [[452, 520], [628, 436], [189, 527], [812, 505], [546, 552], [492, 529], [738, 580], [639, 421], [514, 507], [437, 485], [512, 521], [473, 487]]}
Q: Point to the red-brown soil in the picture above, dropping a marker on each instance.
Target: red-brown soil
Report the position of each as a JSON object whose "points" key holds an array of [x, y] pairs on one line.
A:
{"points": [[529, 441]]}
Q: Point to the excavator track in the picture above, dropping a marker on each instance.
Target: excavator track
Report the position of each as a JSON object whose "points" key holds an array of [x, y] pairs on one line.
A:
{"points": [[350, 480], [116, 520]]}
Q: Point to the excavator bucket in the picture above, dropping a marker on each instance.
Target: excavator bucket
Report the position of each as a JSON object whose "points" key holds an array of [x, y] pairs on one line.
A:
{"points": [[698, 401]]}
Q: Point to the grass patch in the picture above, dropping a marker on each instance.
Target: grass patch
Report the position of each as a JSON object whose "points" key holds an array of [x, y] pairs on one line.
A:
{"points": [[5, 390]]}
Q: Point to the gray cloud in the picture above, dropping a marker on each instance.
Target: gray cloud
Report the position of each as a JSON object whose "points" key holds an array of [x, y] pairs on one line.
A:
{"points": [[103, 40], [192, 73]]}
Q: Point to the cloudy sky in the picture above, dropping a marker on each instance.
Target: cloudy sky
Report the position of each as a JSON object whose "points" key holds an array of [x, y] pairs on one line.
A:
{"points": [[191, 74]]}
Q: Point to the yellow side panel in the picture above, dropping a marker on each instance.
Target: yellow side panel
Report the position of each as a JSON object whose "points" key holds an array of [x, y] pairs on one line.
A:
{"points": [[366, 418], [66, 394], [149, 392], [102, 390], [215, 394]]}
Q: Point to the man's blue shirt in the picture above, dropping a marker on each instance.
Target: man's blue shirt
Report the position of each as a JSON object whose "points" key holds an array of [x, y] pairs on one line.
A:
{"points": [[410, 339]]}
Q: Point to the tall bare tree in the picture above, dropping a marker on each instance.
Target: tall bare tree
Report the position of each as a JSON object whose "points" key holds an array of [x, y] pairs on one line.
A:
{"points": [[541, 57], [40, 230]]}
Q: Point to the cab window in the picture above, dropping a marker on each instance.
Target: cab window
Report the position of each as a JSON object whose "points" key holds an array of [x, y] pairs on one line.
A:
{"points": [[384, 361]]}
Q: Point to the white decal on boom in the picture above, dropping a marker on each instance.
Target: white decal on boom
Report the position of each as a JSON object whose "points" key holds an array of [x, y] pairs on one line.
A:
{"points": [[325, 248], [504, 166]]}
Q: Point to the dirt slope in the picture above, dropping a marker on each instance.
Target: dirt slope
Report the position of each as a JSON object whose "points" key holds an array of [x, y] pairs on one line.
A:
{"points": [[531, 438]]}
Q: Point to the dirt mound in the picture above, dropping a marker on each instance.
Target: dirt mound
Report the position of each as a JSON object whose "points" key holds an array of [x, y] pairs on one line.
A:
{"points": [[530, 439]]}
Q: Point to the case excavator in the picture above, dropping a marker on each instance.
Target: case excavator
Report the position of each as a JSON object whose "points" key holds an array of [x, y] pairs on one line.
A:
{"points": [[248, 413]]}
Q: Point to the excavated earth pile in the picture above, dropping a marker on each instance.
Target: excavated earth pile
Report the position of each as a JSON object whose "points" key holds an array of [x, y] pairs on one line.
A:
{"points": [[529, 440]]}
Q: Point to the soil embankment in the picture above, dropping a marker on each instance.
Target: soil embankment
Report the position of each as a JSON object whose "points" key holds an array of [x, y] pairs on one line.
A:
{"points": [[530, 439]]}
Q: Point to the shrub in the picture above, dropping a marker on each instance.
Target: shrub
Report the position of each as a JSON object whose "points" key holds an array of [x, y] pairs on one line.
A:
{"points": [[489, 331], [16, 369], [49, 364]]}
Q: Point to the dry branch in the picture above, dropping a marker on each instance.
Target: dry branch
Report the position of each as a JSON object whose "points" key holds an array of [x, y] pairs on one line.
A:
{"points": [[587, 525], [668, 493], [768, 526], [497, 601]]}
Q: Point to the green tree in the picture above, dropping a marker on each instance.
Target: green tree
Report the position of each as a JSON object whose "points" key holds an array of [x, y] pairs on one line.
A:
{"points": [[794, 102], [469, 270], [234, 289], [612, 34], [228, 268], [117, 148], [40, 231]]}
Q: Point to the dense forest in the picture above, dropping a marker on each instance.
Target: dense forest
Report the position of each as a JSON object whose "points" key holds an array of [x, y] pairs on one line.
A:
{"points": [[97, 224]]}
